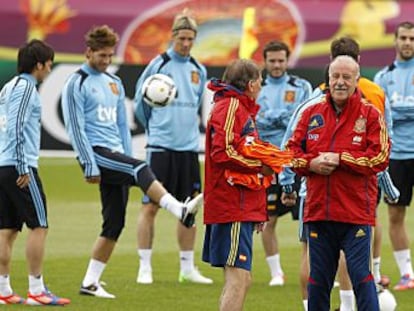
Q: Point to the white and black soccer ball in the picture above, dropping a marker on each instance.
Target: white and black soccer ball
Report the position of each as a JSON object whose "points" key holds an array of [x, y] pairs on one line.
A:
{"points": [[158, 90], [387, 301]]}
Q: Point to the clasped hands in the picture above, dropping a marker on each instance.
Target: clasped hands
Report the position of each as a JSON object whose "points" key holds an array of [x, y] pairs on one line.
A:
{"points": [[325, 163]]}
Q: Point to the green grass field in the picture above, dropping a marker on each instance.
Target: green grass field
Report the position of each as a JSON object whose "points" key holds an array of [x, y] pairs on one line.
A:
{"points": [[74, 217]]}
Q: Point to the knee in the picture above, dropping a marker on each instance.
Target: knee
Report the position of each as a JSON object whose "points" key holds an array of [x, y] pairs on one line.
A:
{"points": [[112, 231], [149, 211]]}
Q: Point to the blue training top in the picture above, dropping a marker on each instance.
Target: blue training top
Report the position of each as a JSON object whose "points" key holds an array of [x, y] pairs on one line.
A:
{"points": [[94, 113], [20, 113], [176, 126]]}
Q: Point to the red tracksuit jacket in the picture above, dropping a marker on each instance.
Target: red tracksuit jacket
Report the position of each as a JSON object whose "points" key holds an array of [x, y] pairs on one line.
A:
{"points": [[232, 118], [359, 134]]}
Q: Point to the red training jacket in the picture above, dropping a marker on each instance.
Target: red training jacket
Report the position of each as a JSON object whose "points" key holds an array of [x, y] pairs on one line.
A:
{"points": [[359, 134], [232, 118]]}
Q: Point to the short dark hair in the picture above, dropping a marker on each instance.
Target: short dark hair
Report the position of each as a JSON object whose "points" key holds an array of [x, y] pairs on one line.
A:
{"points": [[31, 53], [239, 72], [345, 46], [100, 37], [276, 46], [406, 25]]}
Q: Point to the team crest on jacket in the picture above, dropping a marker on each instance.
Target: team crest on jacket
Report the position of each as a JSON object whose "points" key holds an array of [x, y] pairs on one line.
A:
{"points": [[290, 96], [315, 122], [114, 88], [195, 77], [249, 127], [360, 125]]}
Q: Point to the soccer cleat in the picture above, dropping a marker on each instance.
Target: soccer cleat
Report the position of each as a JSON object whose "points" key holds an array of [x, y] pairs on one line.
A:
{"points": [[190, 209], [11, 299], [406, 282], [46, 298], [194, 277], [278, 280], [95, 290], [144, 276]]}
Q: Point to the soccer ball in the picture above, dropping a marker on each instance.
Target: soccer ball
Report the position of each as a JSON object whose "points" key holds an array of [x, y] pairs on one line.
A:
{"points": [[158, 90], [386, 300]]}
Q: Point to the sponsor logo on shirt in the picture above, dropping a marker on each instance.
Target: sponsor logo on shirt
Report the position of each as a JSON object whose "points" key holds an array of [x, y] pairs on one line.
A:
{"points": [[315, 122], [360, 233], [357, 140], [106, 114]]}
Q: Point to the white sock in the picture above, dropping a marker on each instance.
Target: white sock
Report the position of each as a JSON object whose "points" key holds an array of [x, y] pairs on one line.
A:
{"points": [[186, 261], [305, 304], [5, 287], [274, 265], [94, 272], [145, 259], [36, 286], [376, 269], [403, 259], [347, 300], [171, 204]]}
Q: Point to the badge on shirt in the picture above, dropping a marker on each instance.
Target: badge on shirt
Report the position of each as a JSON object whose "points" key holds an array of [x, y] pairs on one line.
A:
{"points": [[114, 88], [360, 125], [290, 96], [195, 77], [315, 122]]}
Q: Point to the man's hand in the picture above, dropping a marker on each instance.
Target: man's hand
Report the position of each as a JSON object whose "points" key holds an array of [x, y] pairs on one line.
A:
{"points": [[289, 199], [23, 181], [266, 170], [93, 179], [325, 163]]}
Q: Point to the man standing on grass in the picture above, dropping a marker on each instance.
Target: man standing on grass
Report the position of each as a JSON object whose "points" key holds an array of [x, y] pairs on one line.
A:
{"points": [[232, 212], [95, 118], [340, 140], [173, 139], [22, 200]]}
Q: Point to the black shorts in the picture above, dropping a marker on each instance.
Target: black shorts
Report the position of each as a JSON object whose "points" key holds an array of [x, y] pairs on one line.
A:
{"points": [[274, 204], [402, 175], [178, 171], [18, 206], [118, 172]]}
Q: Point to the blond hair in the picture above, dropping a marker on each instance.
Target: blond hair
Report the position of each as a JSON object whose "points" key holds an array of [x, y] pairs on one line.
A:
{"points": [[184, 21]]}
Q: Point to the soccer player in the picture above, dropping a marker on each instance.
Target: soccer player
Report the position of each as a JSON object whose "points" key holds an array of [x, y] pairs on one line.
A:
{"points": [[95, 119], [232, 212], [397, 82], [172, 145], [280, 95], [340, 140], [22, 199]]}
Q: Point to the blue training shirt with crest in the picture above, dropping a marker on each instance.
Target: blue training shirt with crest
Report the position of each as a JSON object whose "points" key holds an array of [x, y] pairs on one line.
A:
{"points": [[94, 113], [176, 126]]}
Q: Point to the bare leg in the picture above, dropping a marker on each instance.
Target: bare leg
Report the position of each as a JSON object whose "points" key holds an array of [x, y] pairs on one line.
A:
{"points": [[236, 283], [397, 231], [7, 238], [35, 250], [269, 239]]}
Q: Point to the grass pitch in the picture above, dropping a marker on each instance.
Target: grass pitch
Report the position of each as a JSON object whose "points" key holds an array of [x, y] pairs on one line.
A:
{"points": [[74, 218]]}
